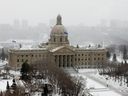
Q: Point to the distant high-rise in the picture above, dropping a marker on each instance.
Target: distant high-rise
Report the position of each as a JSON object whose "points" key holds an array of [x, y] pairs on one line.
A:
{"points": [[16, 24]]}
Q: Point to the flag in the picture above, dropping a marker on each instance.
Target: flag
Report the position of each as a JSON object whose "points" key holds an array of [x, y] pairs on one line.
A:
{"points": [[65, 32]]}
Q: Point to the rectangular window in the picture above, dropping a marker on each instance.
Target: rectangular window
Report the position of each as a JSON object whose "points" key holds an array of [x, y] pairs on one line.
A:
{"points": [[60, 39], [17, 60]]}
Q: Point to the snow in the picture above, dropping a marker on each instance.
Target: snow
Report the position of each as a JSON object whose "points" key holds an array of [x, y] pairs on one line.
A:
{"points": [[3, 84], [99, 89], [15, 73], [95, 86], [3, 63], [18, 41], [119, 57], [100, 84], [57, 48]]}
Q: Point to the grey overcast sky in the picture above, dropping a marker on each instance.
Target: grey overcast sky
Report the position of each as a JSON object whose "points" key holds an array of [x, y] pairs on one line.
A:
{"points": [[73, 11]]}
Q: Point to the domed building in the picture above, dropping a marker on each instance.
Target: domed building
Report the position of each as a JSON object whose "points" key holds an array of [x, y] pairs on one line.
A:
{"points": [[58, 50]]}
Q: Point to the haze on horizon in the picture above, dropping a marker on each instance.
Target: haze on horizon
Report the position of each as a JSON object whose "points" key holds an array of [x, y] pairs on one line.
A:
{"points": [[87, 12], [33, 20]]}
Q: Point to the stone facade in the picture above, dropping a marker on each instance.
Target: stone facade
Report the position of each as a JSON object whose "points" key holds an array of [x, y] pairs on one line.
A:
{"points": [[59, 50]]}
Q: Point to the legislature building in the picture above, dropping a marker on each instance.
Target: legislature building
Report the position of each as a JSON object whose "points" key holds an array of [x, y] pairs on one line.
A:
{"points": [[59, 50]]}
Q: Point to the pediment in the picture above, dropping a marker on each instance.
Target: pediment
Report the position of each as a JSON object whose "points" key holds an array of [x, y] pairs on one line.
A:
{"points": [[65, 50], [62, 49]]}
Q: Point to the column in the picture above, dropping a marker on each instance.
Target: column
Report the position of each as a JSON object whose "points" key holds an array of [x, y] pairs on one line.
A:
{"points": [[69, 60], [57, 60], [65, 60], [73, 60], [61, 60]]}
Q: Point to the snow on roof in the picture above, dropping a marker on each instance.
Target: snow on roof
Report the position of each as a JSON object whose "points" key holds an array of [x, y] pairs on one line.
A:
{"points": [[27, 49], [17, 41], [57, 48]]}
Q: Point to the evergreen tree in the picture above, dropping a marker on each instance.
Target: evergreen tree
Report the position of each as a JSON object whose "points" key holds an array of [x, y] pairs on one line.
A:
{"points": [[99, 46], [125, 62], [1, 93], [114, 57], [3, 54], [108, 54], [89, 46], [127, 81], [77, 46], [13, 84], [20, 45], [7, 87], [25, 69], [124, 53]]}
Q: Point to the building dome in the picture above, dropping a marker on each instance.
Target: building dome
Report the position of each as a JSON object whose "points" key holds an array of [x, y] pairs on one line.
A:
{"points": [[59, 35], [58, 29]]}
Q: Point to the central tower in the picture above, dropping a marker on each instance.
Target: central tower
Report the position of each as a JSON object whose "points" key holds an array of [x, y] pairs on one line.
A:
{"points": [[59, 34]]}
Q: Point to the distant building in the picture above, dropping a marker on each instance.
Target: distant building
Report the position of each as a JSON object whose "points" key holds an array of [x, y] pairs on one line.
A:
{"points": [[59, 50]]}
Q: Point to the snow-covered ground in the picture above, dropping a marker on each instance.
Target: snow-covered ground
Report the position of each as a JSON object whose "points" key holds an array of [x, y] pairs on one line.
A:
{"points": [[3, 84], [99, 89], [94, 86], [3, 63], [99, 85]]}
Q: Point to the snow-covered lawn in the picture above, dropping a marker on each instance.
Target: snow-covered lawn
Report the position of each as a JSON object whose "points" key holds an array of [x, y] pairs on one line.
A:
{"points": [[94, 87], [99, 89], [3, 84], [99, 85]]}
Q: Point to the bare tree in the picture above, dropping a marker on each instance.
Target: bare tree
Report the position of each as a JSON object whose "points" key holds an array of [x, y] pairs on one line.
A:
{"points": [[56, 76]]}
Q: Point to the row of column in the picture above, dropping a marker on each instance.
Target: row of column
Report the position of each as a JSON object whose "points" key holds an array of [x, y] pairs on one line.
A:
{"points": [[64, 60]]}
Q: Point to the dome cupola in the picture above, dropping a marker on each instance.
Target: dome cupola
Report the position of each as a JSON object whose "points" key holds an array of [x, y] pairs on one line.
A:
{"points": [[59, 20]]}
